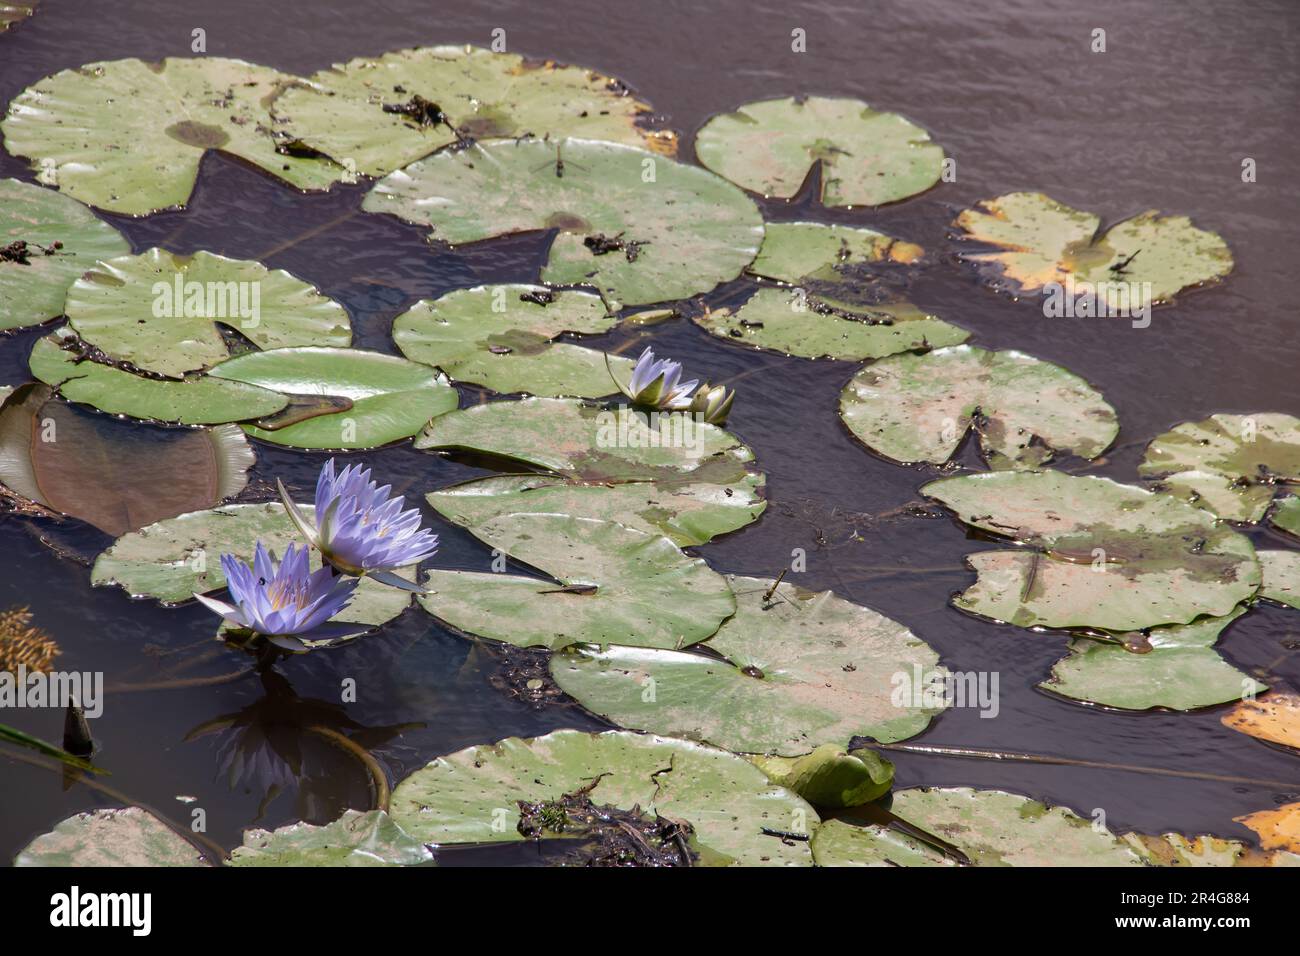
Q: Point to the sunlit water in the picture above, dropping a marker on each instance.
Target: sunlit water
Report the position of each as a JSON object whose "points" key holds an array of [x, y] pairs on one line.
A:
{"points": [[1161, 120]]}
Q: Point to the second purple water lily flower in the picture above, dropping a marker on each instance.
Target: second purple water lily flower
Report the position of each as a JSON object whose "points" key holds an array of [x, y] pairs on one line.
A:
{"points": [[360, 529], [285, 601], [656, 383]]}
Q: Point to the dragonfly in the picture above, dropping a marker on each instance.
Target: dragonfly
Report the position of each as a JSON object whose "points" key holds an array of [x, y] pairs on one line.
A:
{"points": [[559, 163]]}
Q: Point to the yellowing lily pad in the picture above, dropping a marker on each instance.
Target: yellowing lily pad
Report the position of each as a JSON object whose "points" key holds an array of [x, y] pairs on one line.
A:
{"points": [[1174, 849], [160, 312], [800, 669], [1228, 464], [685, 512], [34, 273], [474, 795], [1105, 555], [918, 408], [1174, 667], [610, 584], [387, 398], [128, 136], [60, 361], [636, 226], [1274, 718], [991, 827], [1278, 829], [380, 113], [845, 303], [868, 157], [103, 838], [502, 337], [1037, 243]]}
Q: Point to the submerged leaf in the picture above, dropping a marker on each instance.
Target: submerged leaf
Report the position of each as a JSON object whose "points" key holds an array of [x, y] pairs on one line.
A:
{"points": [[868, 157], [615, 585], [109, 473], [201, 400], [1040, 243], [914, 408], [1228, 464], [800, 669], [390, 398], [46, 241], [1174, 666], [638, 227], [354, 839], [100, 838], [380, 113], [474, 795], [687, 513], [161, 312], [128, 136], [501, 337], [1105, 555], [991, 827]]}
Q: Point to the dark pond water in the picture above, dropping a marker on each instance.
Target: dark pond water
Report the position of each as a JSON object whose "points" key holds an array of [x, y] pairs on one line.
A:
{"points": [[1161, 120]]}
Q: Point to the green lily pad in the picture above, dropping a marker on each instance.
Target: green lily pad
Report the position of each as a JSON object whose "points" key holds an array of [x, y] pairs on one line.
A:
{"points": [[616, 586], [787, 321], [128, 136], [638, 227], [100, 838], [198, 400], [844, 304], [1281, 583], [355, 839], [1286, 515], [161, 312], [1105, 555], [1227, 464], [830, 777], [473, 795], [868, 158], [991, 827], [800, 670], [34, 277], [587, 442], [1039, 242], [381, 113], [918, 408], [391, 398], [174, 559], [500, 337], [688, 513], [108, 473], [1175, 667]]}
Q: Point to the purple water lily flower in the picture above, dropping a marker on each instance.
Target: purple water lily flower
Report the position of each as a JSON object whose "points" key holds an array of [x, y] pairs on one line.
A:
{"points": [[285, 601], [360, 529], [655, 383]]}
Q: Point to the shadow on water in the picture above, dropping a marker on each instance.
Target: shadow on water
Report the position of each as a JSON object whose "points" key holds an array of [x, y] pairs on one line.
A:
{"points": [[1162, 120]]}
